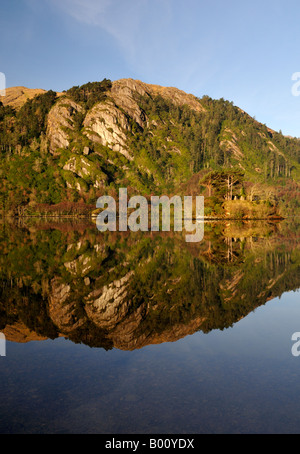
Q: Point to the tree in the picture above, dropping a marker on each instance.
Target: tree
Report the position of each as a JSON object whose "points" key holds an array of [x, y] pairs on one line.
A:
{"points": [[223, 182], [233, 179], [209, 181]]}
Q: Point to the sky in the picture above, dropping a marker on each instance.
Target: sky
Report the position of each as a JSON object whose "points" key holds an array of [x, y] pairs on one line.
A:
{"points": [[242, 51]]}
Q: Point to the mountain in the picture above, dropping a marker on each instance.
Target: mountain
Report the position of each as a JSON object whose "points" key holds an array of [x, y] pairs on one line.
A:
{"points": [[62, 151]]}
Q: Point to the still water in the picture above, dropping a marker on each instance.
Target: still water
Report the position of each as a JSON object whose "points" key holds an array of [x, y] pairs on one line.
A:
{"points": [[126, 334]]}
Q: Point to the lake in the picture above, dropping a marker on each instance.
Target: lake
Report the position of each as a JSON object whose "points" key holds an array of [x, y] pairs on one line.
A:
{"points": [[143, 333]]}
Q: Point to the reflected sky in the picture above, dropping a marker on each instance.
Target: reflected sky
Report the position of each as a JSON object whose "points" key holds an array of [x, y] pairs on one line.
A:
{"points": [[241, 380]]}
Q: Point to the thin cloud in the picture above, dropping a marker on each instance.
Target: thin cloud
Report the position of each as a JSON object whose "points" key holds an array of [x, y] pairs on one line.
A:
{"points": [[119, 18], [151, 35], [128, 22], [91, 12]]}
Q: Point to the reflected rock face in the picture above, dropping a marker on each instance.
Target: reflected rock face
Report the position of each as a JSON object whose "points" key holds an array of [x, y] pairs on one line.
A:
{"points": [[107, 306], [127, 291]]}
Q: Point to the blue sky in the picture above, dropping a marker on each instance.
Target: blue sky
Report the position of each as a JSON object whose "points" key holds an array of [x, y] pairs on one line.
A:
{"points": [[245, 52]]}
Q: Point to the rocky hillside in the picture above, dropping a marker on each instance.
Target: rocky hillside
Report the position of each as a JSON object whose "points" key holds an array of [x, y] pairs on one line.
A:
{"points": [[91, 140]]}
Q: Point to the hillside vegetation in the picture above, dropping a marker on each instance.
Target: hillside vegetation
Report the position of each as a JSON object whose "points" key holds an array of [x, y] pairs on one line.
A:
{"points": [[60, 152]]}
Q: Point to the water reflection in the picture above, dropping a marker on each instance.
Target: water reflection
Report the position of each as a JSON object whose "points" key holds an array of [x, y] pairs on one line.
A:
{"points": [[127, 291]]}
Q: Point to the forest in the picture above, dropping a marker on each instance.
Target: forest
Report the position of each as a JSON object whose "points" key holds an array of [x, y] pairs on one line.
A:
{"points": [[219, 151]]}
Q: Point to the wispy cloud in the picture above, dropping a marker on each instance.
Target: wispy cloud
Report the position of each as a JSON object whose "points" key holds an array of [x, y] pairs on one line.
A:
{"points": [[157, 42], [122, 19], [91, 12]]}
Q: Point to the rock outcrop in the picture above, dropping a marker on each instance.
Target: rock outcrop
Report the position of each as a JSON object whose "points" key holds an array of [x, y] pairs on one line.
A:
{"points": [[106, 124], [61, 123], [109, 121], [80, 169]]}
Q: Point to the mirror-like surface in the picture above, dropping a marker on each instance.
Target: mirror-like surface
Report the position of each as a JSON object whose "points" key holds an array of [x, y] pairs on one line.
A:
{"points": [[145, 333]]}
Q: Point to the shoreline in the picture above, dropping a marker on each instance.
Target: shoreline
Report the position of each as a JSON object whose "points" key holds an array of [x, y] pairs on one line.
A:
{"points": [[92, 217]]}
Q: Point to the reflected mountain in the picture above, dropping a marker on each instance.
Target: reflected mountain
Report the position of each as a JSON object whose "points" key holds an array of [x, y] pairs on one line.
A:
{"points": [[130, 290]]}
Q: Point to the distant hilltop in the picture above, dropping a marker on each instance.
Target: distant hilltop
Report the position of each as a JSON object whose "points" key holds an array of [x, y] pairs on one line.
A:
{"points": [[16, 97]]}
